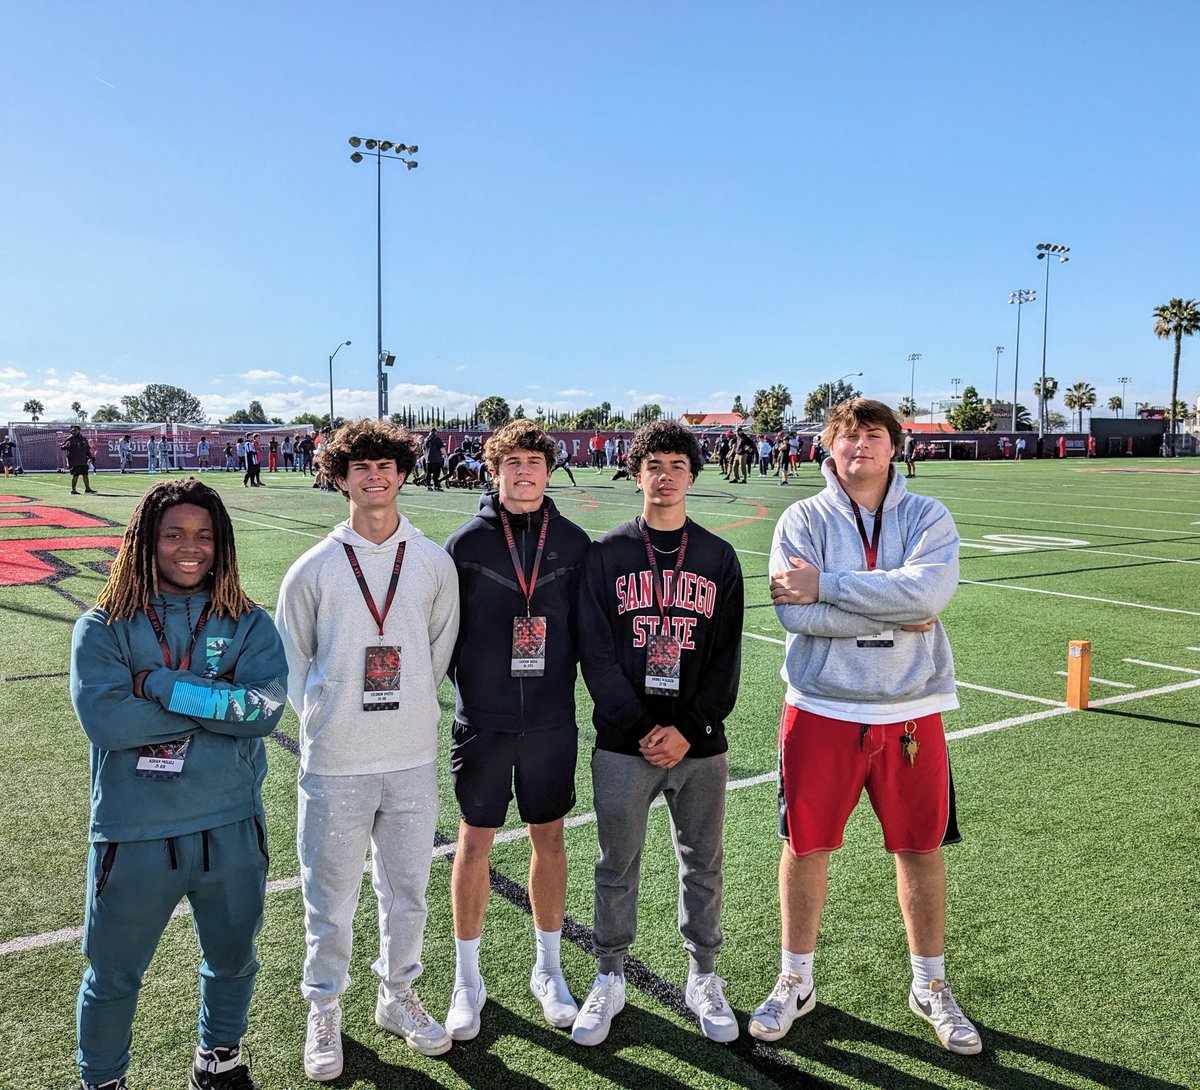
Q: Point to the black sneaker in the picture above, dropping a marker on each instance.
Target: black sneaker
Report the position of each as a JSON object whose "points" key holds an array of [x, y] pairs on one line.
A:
{"points": [[112, 1084], [221, 1069]]}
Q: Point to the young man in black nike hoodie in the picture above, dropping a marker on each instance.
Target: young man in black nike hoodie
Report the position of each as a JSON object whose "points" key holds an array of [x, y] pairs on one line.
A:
{"points": [[661, 606], [519, 563]]}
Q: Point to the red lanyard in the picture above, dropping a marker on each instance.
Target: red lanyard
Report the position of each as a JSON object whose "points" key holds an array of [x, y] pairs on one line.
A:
{"points": [[872, 549], [658, 598], [526, 588], [157, 625], [397, 564]]}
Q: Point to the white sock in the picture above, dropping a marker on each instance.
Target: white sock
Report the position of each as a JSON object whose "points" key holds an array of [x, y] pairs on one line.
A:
{"points": [[549, 944], [800, 965], [466, 961], [926, 970]]}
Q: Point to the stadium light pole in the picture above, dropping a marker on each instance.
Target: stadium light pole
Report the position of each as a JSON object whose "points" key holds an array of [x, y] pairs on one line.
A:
{"points": [[1046, 251], [344, 344], [996, 392], [829, 400], [381, 149], [1124, 381], [912, 380], [1021, 296]]}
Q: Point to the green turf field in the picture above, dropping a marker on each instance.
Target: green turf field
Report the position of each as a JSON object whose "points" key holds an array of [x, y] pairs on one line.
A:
{"points": [[1074, 922]]}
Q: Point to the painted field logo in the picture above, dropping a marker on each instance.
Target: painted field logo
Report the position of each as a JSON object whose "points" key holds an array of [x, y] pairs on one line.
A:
{"points": [[30, 561]]}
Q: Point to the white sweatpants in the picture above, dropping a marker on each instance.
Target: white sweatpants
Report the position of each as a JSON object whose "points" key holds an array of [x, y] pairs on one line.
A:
{"points": [[396, 814]]}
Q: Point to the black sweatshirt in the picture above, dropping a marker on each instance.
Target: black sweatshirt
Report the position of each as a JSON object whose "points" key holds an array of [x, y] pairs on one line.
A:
{"points": [[486, 694], [617, 611]]}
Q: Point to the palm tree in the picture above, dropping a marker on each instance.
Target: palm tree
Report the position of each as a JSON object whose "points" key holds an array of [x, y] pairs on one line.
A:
{"points": [[907, 408], [34, 408], [79, 410], [1177, 319], [1115, 404], [1051, 388], [1079, 397]]}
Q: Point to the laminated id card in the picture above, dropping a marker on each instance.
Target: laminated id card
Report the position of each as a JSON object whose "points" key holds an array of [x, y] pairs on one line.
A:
{"points": [[879, 639], [528, 646], [381, 679], [662, 665], [164, 760]]}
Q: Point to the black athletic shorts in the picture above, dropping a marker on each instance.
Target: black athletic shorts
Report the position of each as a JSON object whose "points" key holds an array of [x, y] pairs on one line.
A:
{"points": [[486, 764]]}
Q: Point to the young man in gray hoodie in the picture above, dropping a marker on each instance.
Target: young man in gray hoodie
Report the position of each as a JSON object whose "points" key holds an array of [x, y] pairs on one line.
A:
{"points": [[859, 574], [368, 619]]}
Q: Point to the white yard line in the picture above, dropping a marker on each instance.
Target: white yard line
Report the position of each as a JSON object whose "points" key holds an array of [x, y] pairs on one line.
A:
{"points": [[1075, 523], [1101, 681], [1080, 597], [1162, 666], [1005, 692], [74, 934]]}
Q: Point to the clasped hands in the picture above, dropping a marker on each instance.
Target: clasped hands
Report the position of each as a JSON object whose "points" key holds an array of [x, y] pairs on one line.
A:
{"points": [[664, 747]]}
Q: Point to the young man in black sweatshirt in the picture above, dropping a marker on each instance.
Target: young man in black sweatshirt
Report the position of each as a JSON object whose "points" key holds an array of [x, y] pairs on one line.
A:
{"points": [[519, 564], [661, 604]]}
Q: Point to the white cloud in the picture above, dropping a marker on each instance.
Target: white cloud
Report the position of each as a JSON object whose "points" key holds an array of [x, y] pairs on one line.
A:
{"points": [[574, 393], [262, 376], [11, 372]]}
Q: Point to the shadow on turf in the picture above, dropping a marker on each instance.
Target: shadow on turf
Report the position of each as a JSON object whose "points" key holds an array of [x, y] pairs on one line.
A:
{"points": [[824, 1035], [1147, 718], [477, 1064]]}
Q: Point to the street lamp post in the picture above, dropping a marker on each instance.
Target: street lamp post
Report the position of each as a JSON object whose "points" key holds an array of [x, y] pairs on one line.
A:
{"points": [[1046, 250], [912, 381], [829, 400], [400, 153], [1021, 296], [344, 344], [996, 392], [1124, 381]]}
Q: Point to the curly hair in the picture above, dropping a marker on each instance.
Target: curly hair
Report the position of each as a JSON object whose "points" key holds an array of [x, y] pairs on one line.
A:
{"points": [[858, 412], [133, 580], [366, 440], [663, 437], [518, 435]]}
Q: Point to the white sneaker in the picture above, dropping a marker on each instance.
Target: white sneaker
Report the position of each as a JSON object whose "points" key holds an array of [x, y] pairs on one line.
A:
{"points": [[940, 1009], [606, 999], [323, 1042], [706, 1000], [404, 1016], [774, 1017], [462, 1019], [550, 989]]}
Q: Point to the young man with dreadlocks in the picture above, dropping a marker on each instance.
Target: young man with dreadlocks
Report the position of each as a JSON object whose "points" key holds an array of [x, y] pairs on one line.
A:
{"points": [[518, 564], [368, 618], [661, 604], [176, 677]]}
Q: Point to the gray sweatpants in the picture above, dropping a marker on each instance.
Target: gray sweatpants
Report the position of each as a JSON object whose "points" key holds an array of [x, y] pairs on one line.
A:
{"points": [[623, 787]]}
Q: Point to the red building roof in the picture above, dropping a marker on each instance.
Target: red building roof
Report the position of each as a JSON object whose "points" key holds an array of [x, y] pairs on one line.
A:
{"points": [[714, 420]]}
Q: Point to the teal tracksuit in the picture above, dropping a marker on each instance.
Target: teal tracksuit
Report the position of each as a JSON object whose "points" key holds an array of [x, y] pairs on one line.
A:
{"points": [[163, 832]]}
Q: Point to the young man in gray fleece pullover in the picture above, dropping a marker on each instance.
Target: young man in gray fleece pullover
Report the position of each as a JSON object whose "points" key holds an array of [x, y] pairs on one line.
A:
{"points": [[859, 574]]}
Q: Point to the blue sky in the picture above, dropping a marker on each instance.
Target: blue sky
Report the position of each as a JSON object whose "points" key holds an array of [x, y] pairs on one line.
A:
{"points": [[623, 202]]}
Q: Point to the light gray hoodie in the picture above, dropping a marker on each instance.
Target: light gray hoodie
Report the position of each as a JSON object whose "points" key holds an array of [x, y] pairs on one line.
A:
{"points": [[326, 628], [916, 575]]}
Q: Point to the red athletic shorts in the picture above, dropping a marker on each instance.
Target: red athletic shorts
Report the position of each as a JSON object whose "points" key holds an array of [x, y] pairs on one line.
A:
{"points": [[824, 764]]}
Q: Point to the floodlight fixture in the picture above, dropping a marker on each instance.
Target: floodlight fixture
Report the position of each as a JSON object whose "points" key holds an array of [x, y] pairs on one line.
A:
{"points": [[1046, 249], [381, 149]]}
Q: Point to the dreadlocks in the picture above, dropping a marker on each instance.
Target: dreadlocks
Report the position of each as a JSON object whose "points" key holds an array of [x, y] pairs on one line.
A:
{"points": [[134, 576]]}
